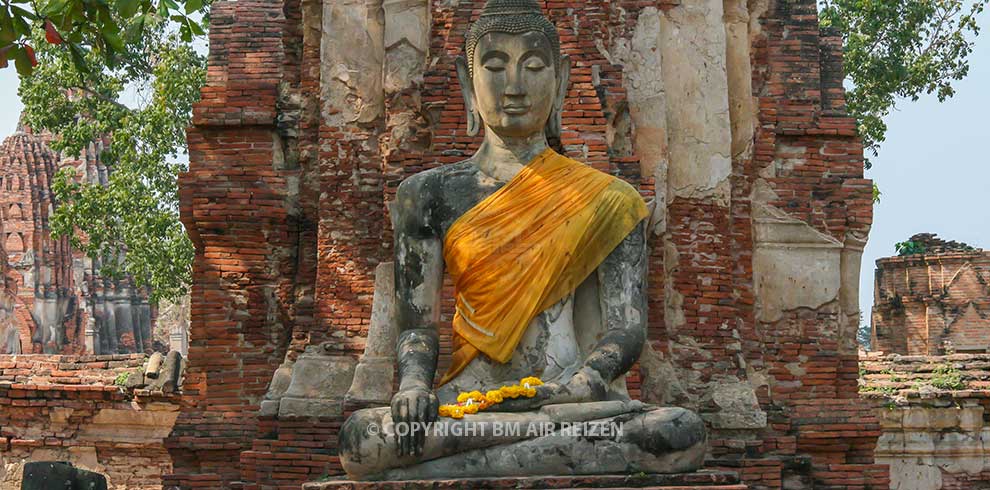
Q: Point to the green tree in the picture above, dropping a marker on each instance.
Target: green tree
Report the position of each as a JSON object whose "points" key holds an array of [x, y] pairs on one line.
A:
{"points": [[83, 100], [910, 248], [900, 49], [81, 27], [864, 336]]}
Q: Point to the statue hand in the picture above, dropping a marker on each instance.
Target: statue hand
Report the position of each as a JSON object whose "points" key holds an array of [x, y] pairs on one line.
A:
{"points": [[586, 385], [415, 407]]}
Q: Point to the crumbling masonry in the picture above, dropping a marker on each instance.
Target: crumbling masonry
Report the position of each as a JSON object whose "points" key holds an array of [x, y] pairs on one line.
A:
{"points": [[54, 300], [729, 114], [934, 302]]}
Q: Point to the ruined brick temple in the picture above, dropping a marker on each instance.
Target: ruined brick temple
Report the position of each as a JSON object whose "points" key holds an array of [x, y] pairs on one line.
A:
{"points": [[53, 299], [730, 115], [75, 383], [933, 302]]}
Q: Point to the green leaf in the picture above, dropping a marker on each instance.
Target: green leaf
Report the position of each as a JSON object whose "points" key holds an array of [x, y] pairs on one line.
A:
{"points": [[900, 49], [113, 40], [4, 55], [171, 4], [78, 57], [135, 30], [21, 61], [193, 6], [21, 26], [24, 14], [7, 32], [196, 28], [127, 8], [54, 8], [76, 36]]}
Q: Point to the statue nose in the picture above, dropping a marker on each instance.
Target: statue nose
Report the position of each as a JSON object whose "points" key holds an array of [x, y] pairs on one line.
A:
{"points": [[515, 87], [514, 90]]}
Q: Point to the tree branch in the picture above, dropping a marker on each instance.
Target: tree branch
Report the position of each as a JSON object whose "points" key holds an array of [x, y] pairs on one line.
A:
{"points": [[100, 96]]}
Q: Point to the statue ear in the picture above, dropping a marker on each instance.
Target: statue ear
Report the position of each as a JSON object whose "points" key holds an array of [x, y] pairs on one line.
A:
{"points": [[554, 125], [467, 90]]}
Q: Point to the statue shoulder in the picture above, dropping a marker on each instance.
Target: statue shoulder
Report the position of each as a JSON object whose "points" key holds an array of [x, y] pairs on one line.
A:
{"points": [[420, 194], [620, 187], [432, 181]]}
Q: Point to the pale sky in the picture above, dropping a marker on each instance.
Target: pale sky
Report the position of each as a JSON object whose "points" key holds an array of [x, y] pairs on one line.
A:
{"points": [[933, 170]]}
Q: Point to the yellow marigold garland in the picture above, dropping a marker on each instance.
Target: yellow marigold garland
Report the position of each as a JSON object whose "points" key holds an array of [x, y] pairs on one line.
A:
{"points": [[474, 401]]}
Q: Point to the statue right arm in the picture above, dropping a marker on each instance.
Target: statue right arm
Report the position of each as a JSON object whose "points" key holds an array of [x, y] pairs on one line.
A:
{"points": [[418, 284]]}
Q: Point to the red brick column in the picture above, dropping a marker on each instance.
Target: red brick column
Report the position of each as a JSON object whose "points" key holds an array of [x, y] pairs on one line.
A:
{"points": [[237, 205]]}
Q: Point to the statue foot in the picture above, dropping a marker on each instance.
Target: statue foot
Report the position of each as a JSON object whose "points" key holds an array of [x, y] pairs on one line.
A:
{"points": [[663, 440]]}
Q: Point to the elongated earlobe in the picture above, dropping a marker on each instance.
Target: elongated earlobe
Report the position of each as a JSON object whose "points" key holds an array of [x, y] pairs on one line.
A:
{"points": [[467, 91], [473, 123], [555, 123]]}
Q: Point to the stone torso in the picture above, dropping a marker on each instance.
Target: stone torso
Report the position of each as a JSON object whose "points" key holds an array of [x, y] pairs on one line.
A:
{"points": [[549, 347]]}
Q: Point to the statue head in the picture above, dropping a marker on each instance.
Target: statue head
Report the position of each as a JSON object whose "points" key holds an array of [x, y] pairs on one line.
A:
{"points": [[513, 76]]}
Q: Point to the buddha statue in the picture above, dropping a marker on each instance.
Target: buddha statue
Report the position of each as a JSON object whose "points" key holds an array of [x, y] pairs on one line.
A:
{"points": [[548, 258]]}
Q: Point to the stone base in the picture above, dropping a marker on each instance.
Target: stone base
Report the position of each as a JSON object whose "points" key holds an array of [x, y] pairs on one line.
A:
{"points": [[702, 480]]}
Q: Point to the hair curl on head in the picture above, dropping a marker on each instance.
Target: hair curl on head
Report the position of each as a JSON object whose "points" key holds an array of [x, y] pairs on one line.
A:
{"points": [[511, 17]]}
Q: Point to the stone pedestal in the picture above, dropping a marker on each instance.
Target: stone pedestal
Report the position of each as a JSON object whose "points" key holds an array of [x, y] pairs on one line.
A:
{"points": [[375, 372], [702, 480], [317, 383]]}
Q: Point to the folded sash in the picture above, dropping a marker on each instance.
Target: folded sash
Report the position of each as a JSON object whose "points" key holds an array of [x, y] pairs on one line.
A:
{"points": [[529, 245]]}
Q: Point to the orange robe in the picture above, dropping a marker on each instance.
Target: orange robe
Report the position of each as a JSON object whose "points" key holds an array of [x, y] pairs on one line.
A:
{"points": [[529, 245]]}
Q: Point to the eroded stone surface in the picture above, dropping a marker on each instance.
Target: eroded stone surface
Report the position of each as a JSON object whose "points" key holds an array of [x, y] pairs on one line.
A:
{"points": [[710, 480], [794, 265], [557, 440], [375, 372], [318, 386], [703, 331], [693, 47], [352, 54]]}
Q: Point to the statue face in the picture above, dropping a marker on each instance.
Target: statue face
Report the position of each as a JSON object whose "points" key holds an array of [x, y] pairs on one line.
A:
{"points": [[515, 82]]}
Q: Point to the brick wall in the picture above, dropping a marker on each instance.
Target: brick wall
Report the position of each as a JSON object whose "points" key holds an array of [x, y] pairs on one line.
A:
{"points": [[934, 412], [68, 408], [933, 303], [239, 204], [309, 123]]}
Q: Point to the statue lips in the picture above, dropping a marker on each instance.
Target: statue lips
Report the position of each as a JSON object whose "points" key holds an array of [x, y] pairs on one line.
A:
{"points": [[516, 110]]}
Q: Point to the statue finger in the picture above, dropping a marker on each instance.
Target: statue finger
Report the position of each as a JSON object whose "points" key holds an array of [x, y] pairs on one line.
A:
{"points": [[404, 439], [396, 418], [421, 407], [411, 425], [411, 428], [432, 412]]}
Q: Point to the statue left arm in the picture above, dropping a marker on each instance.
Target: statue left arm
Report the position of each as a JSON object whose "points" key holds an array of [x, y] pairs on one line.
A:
{"points": [[622, 289], [622, 292]]}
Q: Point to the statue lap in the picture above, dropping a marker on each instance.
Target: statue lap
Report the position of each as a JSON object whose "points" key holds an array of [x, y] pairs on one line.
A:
{"points": [[639, 438]]}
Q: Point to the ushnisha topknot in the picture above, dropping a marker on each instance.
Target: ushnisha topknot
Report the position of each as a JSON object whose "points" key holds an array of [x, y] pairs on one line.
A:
{"points": [[512, 17]]}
